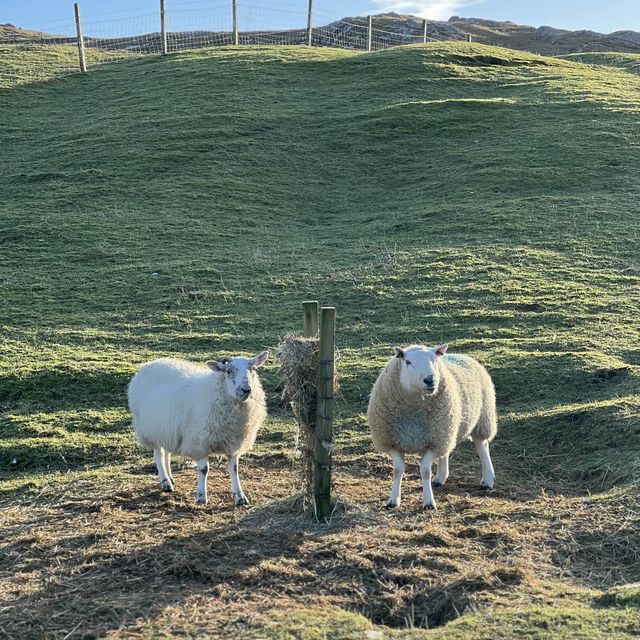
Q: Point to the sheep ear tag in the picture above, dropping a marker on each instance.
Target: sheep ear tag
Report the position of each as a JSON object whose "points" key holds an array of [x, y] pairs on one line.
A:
{"points": [[442, 349]]}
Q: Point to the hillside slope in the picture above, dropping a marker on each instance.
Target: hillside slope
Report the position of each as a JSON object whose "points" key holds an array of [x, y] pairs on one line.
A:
{"points": [[187, 205]]}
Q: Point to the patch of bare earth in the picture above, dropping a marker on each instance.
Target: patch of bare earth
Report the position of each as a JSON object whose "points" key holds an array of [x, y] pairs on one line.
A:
{"points": [[113, 555]]}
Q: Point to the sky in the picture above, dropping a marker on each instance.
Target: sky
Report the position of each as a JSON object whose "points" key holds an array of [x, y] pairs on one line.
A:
{"points": [[56, 16]]}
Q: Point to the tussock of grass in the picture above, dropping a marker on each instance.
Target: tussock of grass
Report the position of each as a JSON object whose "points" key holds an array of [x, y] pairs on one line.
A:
{"points": [[186, 205]]}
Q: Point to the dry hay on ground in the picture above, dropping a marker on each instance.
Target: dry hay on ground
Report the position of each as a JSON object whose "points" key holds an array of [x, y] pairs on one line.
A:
{"points": [[112, 554]]}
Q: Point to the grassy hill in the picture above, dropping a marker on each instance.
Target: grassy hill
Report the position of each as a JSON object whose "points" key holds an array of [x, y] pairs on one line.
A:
{"points": [[187, 205]]}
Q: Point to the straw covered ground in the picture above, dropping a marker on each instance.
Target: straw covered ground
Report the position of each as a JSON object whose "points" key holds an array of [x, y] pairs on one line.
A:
{"points": [[115, 556], [186, 206]]}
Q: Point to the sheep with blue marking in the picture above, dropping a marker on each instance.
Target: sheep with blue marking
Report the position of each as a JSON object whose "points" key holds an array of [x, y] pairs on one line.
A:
{"points": [[182, 408], [426, 402]]}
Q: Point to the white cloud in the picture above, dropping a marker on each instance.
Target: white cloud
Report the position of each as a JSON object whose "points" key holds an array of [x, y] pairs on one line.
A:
{"points": [[433, 9]]}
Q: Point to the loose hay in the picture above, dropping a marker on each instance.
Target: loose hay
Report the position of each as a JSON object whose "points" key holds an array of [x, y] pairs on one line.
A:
{"points": [[109, 555], [299, 367]]}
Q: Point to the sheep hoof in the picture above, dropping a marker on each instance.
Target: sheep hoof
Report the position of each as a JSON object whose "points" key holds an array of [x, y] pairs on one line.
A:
{"points": [[485, 486], [166, 485], [241, 500], [430, 506], [392, 504], [201, 499], [436, 483]]}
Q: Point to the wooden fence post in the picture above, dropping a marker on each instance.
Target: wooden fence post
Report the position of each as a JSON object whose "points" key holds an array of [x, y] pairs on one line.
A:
{"points": [[468, 37], [310, 318], [369, 21], [424, 32], [309, 24], [236, 39], [324, 421], [163, 27], [81, 58]]}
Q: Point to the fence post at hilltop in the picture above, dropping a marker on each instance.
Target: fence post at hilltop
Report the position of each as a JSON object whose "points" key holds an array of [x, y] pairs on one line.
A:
{"points": [[369, 33], [163, 27], [424, 32], [81, 58], [468, 37], [309, 23], [324, 420], [236, 39], [310, 318]]}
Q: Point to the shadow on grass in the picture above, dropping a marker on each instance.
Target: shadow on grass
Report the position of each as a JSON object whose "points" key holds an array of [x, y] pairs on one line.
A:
{"points": [[63, 387], [44, 457], [581, 448]]}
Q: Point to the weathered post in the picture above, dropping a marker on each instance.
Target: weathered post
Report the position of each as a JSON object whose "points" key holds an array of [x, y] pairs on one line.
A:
{"points": [[163, 27], [324, 420], [424, 32], [369, 21], [236, 39], [310, 318], [81, 58], [309, 24], [468, 37]]}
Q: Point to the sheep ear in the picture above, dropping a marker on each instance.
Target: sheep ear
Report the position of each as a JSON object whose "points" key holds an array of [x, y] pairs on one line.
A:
{"points": [[214, 365], [259, 360], [442, 349], [399, 352]]}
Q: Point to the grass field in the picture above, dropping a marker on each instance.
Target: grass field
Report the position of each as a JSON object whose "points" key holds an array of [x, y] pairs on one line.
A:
{"points": [[187, 205]]}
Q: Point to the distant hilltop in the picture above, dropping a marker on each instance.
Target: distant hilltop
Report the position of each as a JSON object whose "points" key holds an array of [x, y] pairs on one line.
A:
{"points": [[544, 40]]}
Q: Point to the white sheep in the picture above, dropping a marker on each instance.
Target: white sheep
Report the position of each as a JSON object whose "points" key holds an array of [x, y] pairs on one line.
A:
{"points": [[182, 408], [427, 402]]}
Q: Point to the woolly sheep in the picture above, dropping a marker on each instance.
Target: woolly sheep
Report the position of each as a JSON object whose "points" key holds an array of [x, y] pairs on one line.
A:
{"points": [[427, 402], [182, 408]]}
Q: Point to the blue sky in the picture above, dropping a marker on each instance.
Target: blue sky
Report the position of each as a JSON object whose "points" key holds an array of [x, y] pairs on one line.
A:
{"points": [[597, 15]]}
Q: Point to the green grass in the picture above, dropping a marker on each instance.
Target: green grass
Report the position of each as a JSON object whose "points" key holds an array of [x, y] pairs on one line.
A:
{"points": [[187, 205], [29, 63], [627, 61]]}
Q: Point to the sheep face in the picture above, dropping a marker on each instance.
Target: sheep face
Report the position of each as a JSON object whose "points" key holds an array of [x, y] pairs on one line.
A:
{"points": [[419, 369], [239, 374]]}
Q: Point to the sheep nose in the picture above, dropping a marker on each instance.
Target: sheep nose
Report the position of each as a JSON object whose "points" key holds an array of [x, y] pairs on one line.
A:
{"points": [[428, 381]]}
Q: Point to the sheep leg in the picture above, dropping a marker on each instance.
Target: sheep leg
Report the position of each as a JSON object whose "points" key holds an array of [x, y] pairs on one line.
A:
{"points": [[488, 475], [443, 471], [425, 472], [398, 472], [167, 466], [203, 472], [236, 488], [165, 480]]}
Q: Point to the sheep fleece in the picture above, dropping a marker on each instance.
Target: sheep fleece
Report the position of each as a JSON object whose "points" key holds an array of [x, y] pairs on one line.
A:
{"points": [[462, 407], [184, 408]]}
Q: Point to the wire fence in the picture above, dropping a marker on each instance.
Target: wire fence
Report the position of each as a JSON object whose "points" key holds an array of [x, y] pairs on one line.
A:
{"points": [[59, 48]]}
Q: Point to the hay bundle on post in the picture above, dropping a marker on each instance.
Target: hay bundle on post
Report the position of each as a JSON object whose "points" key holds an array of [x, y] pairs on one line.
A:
{"points": [[298, 357], [309, 382]]}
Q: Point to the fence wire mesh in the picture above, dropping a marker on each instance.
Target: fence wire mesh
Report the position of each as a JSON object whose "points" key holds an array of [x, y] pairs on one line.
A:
{"points": [[109, 37]]}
